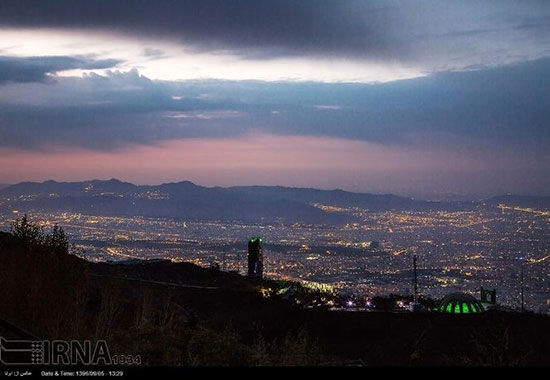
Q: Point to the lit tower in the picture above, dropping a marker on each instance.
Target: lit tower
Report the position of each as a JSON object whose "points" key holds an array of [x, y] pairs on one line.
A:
{"points": [[255, 257], [415, 306]]}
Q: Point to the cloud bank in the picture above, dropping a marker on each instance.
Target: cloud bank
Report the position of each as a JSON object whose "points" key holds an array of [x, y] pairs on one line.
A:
{"points": [[506, 105], [407, 31], [39, 69]]}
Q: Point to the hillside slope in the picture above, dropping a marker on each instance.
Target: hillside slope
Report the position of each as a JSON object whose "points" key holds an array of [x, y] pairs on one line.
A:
{"points": [[181, 314]]}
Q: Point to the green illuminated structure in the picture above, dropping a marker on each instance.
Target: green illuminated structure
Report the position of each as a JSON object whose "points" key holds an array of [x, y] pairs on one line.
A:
{"points": [[460, 303], [255, 257]]}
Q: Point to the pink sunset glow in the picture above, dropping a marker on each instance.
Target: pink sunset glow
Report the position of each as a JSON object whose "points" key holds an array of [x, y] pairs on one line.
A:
{"points": [[253, 159]]}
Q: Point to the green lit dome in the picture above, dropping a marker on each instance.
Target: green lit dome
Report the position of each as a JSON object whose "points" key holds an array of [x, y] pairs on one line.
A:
{"points": [[460, 303]]}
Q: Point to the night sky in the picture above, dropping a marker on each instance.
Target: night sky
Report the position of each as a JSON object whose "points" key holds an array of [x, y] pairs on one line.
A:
{"points": [[427, 98]]}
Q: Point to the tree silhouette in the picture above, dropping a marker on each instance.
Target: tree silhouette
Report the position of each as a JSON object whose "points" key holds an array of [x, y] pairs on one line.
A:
{"points": [[57, 240], [33, 234], [27, 231]]}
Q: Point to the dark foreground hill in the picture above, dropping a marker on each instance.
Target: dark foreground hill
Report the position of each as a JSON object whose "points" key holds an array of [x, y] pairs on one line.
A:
{"points": [[181, 314]]}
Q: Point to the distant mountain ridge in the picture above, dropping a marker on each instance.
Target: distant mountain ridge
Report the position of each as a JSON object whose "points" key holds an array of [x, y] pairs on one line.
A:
{"points": [[542, 202], [187, 200], [68, 188]]}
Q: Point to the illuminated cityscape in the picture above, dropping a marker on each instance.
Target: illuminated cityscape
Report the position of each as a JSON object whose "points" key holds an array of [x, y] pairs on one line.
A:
{"points": [[457, 250]]}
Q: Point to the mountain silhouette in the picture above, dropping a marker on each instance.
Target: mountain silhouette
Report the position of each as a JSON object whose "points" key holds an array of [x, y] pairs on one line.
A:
{"points": [[186, 200]]}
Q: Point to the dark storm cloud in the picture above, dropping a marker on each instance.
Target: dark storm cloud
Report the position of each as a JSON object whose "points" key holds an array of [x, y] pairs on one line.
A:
{"points": [[506, 105], [103, 112], [37, 69], [402, 30], [305, 26]]}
